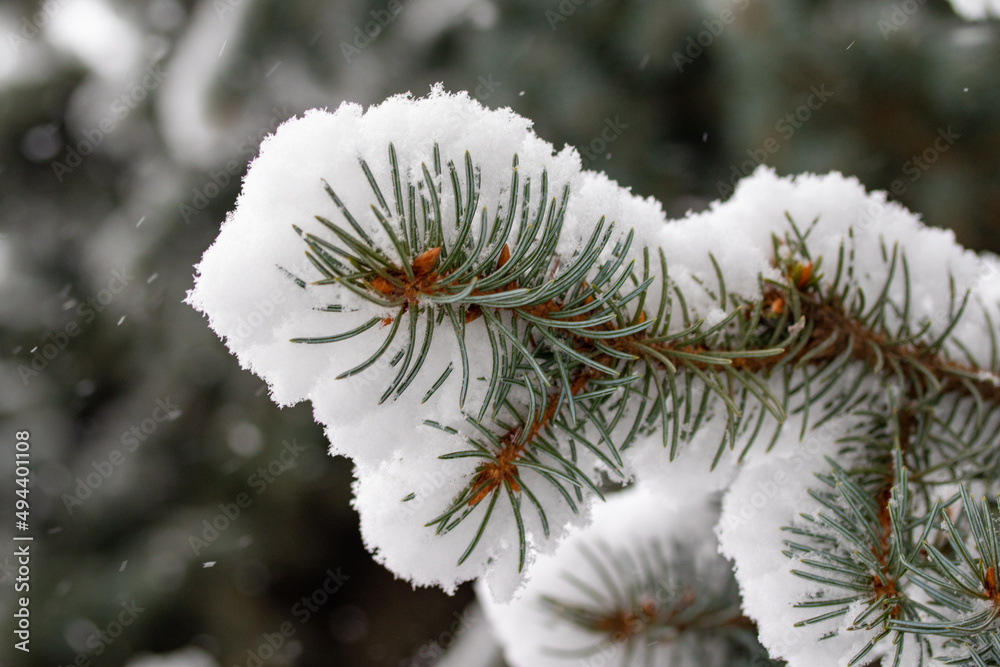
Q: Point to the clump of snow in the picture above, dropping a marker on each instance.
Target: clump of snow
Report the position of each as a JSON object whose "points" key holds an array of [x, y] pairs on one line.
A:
{"points": [[256, 308]]}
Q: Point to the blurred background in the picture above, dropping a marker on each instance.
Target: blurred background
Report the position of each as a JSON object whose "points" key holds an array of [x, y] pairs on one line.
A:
{"points": [[125, 128]]}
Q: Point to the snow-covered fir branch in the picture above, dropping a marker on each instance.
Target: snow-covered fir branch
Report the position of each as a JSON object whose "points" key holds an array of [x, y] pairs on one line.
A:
{"points": [[498, 339]]}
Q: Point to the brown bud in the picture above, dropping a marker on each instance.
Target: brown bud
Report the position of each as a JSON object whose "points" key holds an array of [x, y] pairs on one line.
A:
{"points": [[504, 255], [382, 285], [805, 273], [425, 261]]}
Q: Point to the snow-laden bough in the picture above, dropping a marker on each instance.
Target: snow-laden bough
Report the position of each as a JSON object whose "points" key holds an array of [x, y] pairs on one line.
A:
{"points": [[498, 338]]}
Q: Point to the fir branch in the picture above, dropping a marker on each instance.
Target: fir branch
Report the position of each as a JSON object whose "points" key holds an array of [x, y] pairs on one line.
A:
{"points": [[595, 350], [556, 332]]}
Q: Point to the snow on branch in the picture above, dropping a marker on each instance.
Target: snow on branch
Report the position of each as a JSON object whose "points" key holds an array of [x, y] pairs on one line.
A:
{"points": [[497, 338]]}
